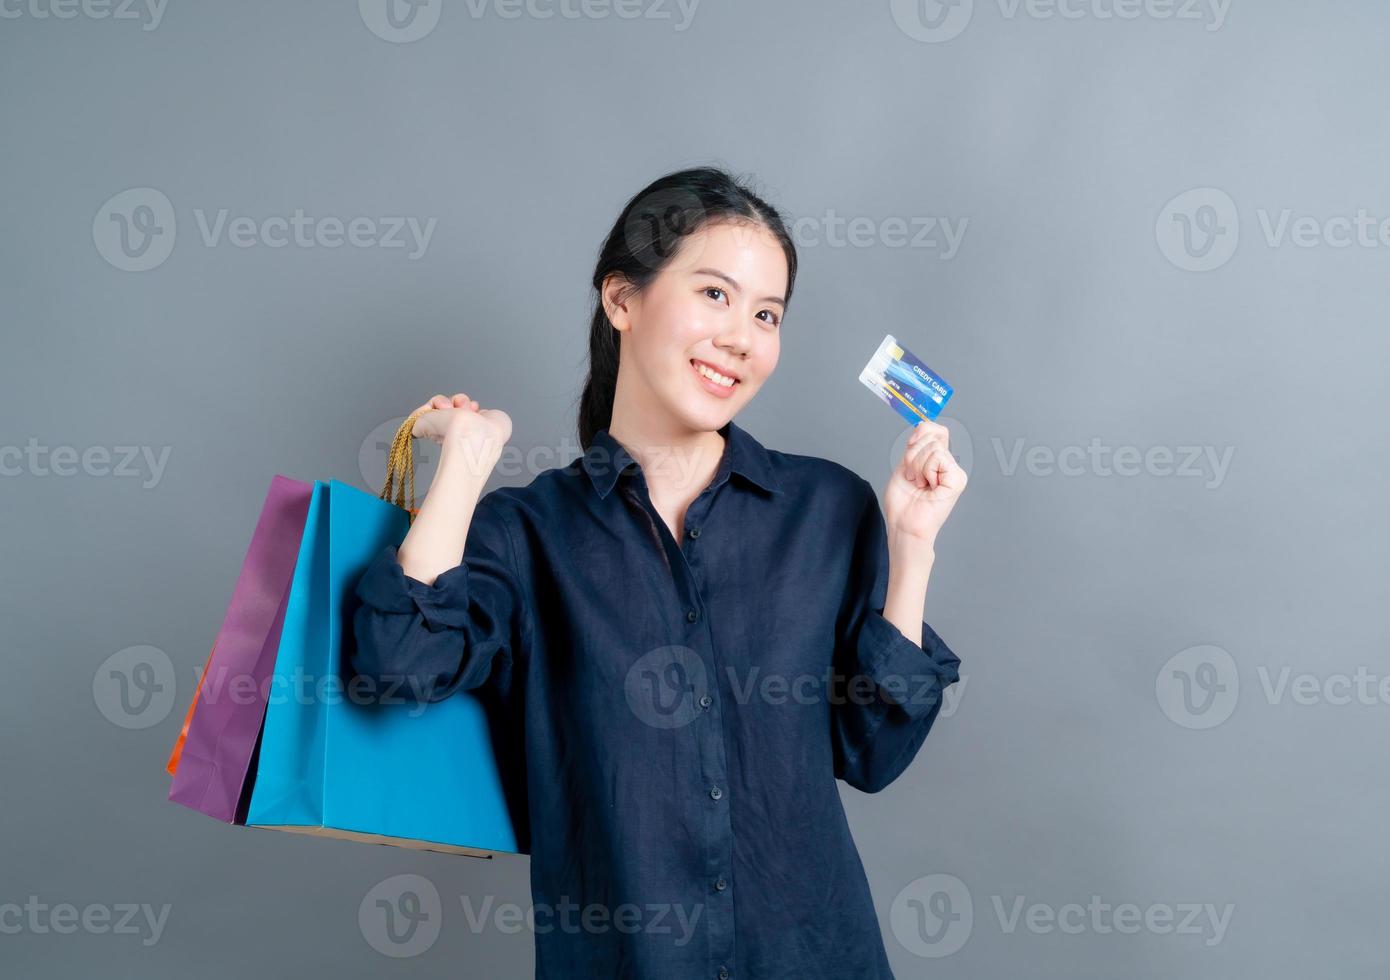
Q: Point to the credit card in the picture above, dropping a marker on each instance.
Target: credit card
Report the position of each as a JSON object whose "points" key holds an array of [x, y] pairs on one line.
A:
{"points": [[905, 383]]}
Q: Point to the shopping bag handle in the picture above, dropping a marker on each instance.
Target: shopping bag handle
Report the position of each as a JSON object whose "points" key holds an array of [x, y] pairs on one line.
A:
{"points": [[400, 467]]}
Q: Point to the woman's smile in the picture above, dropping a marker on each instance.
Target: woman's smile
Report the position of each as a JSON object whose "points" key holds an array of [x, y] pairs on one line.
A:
{"points": [[707, 373]]}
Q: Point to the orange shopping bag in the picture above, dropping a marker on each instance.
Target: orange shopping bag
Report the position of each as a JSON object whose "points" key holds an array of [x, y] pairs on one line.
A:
{"points": [[172, 765]]}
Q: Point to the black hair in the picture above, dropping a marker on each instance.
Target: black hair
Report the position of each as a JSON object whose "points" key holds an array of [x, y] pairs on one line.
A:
{"points": [[643, 240]]}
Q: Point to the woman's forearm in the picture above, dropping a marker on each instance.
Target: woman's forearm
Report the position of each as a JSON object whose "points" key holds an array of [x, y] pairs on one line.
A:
{"points": [[909, 569], [436, 538]]}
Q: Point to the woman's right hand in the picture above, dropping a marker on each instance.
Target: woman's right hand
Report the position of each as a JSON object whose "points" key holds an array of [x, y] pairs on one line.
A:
{"points": [[458, 423]]}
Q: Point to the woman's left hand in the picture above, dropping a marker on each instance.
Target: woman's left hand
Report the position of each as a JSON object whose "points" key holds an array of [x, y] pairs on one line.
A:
{"points": [[924, 486]]}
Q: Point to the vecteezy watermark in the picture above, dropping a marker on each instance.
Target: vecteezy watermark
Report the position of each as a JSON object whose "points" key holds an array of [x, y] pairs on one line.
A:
{"points": [[123, 462], [148, 12], [670, 686], [1098, 917], [1200, 229], [1098, 459], [934, 21], [936, 233], [98, 919], [374, 451], [135, 687], [403, 916], [958, 441], [400, 21], [302, 687], [1199, 687], [135, 230], [404, 21], [513, 461], [653, 918], [934, 916]]}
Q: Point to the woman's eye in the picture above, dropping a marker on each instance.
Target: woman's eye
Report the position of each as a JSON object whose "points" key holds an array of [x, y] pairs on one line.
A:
{"points": [[775, 319], [713, 289]]}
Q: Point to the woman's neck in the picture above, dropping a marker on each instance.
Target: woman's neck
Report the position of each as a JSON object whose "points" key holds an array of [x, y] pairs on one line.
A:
{"points": [[677, 462]]}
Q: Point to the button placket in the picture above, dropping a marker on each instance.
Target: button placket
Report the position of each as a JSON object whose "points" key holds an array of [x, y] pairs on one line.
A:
{"points": [[709, 736], [710, 740]]}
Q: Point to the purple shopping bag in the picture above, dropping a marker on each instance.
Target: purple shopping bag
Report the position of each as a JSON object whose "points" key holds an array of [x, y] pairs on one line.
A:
{"points": [[225, 728]]}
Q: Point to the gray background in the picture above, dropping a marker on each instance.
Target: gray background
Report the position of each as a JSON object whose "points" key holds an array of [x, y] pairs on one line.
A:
{"points": [[1070, 766]]}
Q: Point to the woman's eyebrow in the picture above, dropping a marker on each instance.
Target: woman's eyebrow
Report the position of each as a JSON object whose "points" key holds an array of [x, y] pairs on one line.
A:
{"points": [[737, 288]]}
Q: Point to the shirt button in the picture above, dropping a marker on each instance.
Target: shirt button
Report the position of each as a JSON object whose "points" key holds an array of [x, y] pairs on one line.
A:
{"points": [[706, 700], [691, 615], [721, 884], [715, 793], [694, 532], [723, 973]]}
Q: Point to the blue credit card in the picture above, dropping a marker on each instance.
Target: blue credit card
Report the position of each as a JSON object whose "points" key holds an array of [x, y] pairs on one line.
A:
{"points": [[905, 383]]}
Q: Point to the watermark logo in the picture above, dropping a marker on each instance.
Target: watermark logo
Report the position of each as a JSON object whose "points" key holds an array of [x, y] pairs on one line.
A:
{"points": [[936, 233], [148, 12], [35, 459], [667, 687], [374, 453], [1360, 687], [1208, 463], [97, 919], [1102, 460], [135, 687], [932, 21], [301, 687], [568, 916], [400, 21], [1099, 917], [933, 916], [404, 21], [958, 441], [660, 223], [1198, 230], [135, 229], [1198, 687], [401, 916]]}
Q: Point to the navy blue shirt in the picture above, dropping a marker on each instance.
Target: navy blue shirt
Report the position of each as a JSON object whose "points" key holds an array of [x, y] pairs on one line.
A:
{"points": [[676, 712]]}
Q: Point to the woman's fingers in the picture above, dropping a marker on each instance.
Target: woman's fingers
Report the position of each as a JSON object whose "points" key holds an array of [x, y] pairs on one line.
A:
{"points": [[927, 428], [922, 442], [928, 465], [460, 400], [425, 426]]}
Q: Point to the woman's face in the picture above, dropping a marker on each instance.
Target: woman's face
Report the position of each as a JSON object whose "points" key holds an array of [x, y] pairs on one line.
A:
{"points": [[716, 307]]}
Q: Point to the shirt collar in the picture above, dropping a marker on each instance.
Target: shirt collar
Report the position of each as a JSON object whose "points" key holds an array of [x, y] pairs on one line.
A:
{"points": [[607, 459]]}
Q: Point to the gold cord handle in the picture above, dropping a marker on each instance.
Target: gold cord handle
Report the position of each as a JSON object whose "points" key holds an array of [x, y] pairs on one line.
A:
{"points": [[400, 467]]}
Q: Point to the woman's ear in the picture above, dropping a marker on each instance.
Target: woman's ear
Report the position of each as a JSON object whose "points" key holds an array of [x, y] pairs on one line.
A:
{"points": [[618, 300]]}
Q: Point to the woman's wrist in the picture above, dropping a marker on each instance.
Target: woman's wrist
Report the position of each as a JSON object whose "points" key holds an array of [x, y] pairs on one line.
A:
{"points": [[466, 463], [911, 554]]}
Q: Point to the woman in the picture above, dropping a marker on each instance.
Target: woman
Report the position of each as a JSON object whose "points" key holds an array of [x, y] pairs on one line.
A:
{"points": [[690, 636]]}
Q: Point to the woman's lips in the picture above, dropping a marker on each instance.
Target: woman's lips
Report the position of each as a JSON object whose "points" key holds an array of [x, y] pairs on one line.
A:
{"points": [[713, 387]]}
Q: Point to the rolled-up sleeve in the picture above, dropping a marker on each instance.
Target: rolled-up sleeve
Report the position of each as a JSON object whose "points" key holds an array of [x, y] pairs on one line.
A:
{"points": [[425, 642], [890, 689]]}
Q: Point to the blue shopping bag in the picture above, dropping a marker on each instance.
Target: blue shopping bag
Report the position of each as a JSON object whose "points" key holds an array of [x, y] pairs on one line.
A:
{"points": [[334, 764]]}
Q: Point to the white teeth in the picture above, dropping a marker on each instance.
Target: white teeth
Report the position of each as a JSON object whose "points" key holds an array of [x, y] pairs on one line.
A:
{"points": [[715, 376]]}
